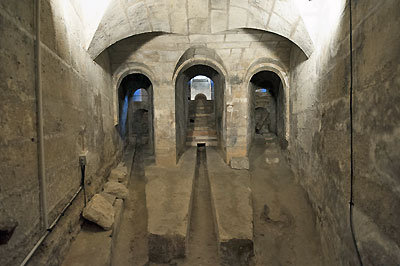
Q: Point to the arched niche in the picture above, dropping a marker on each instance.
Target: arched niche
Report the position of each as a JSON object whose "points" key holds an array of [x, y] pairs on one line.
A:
{"points": [[136, 117], [271, 76], [195, 62]]}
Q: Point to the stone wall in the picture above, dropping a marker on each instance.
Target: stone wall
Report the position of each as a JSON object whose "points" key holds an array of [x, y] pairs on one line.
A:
{"points": [[320, 129], [78, 115], [234, 51]]}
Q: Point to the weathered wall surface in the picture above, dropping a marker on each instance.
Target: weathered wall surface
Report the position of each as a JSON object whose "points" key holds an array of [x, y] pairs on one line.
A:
{"points": [[237, 49], [78, 115], [320, 130]]}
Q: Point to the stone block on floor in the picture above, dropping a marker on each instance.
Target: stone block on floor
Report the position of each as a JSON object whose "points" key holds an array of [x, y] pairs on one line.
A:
{"points": [[117, 189], [100, 211], [119, 174], [110, 198]]}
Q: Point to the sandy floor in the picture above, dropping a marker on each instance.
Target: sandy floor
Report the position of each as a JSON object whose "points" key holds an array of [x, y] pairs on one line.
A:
{"points": [[131, 245], [284, 228]]}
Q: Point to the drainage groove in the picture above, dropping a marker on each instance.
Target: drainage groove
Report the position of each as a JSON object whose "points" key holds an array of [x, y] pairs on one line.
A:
{"points": [[203, 247]]}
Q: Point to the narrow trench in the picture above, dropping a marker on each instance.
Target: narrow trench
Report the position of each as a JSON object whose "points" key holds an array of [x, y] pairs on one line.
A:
{"points": [[131, 246], [202, 246]]}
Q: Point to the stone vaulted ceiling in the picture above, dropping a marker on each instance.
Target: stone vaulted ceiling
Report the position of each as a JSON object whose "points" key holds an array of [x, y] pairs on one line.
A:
{"points": [[125, 18]]}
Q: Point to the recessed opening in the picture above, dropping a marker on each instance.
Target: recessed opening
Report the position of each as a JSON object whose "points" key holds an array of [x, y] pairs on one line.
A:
{"points": [[136, 111], [201, 85], [267, 105], [199, 119], [201, 144], [140, 95]]}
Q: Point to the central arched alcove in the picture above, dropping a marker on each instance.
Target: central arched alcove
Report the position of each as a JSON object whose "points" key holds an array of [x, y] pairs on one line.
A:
{"points": [[135, 97], [201, 85], [267, 106], [199, 119]]}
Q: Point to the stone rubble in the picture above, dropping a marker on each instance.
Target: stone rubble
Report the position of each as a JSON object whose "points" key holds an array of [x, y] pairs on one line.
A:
{"points": [[100, 211], [119, 174], [117, 189], [110, 198]]}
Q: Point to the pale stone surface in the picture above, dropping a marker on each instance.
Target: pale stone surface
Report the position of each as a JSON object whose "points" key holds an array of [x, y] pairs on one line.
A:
{"points": [[218, 20], [273, 160], [100, 211], [110, 198], [119, 174], [240, 163], [147, 16], [219, 4], [117, 189], [237, 17]]}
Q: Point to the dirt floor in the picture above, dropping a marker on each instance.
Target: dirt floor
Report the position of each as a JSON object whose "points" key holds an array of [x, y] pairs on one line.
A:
{"points": [[284, 230], [131, 245]]}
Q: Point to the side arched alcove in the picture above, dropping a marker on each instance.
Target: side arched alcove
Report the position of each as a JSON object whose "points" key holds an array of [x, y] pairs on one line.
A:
{"points": [[268, 105], [123, 71], [195, 62], [134, 108]]}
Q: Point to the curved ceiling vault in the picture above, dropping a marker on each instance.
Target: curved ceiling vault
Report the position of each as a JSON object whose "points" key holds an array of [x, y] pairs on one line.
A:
{"points": [[125, 18]]}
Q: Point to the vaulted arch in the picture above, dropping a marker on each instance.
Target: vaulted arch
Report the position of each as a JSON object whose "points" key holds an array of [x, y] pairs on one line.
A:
{"points": [[124, 18]]}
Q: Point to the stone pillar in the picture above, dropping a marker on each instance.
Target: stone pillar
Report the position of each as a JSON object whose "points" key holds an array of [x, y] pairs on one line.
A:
{"points": [[164, 125], [236, 123]]}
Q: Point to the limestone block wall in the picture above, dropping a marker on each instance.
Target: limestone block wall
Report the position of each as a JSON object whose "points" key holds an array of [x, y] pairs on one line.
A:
{"points": [[78, 115], [123, 19], [238, 50], [320, 130]]}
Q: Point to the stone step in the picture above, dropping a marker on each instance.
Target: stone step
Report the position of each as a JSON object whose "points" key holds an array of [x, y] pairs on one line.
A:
{"points": [[197, 127], [201, 133], [200, 138], [202, 124], [269, 137], [197, 115]]}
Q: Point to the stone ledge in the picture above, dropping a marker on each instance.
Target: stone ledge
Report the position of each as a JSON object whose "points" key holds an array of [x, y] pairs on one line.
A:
{"points": [[168, 197], [233, 212]]}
